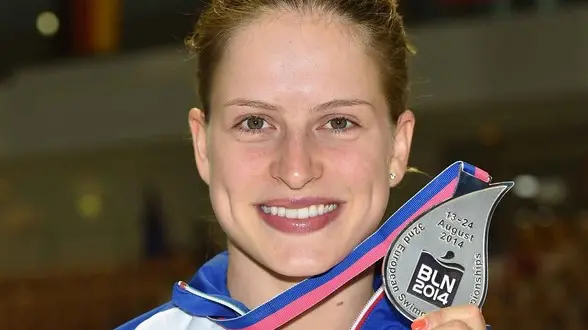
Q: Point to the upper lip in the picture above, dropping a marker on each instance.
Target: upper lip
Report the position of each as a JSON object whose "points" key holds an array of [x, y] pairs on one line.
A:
{"points": [[300, 202]]}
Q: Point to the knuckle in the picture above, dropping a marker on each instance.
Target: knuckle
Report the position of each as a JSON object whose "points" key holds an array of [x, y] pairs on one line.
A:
{"points": [[437, 316], [456, 324], [473, 311]]}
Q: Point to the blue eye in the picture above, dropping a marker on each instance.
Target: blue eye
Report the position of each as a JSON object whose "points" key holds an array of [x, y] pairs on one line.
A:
{"points": [[253, 124], [340, 124]]}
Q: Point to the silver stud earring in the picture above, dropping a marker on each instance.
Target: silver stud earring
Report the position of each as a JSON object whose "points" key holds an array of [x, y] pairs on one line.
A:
{"points": [[392, 176]]}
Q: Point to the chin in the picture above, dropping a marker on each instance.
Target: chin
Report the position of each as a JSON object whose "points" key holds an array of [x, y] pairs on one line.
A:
{"points": [[302, 266]]}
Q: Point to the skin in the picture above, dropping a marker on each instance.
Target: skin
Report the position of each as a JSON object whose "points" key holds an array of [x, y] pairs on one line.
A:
{"points": [[302, 76]]}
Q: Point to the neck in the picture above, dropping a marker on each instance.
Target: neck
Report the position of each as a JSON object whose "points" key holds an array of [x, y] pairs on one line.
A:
{"points": [[253, 285]]}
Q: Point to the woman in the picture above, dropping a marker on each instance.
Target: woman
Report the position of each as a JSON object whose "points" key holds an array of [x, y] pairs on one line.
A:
{"points": [[302, 133]]}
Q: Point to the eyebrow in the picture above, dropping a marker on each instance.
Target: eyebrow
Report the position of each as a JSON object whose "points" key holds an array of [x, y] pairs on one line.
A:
{"points": [[337, 103]]}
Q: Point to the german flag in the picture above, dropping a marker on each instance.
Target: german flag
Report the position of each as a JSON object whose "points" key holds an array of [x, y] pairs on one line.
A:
{"points": [[96, 26]]}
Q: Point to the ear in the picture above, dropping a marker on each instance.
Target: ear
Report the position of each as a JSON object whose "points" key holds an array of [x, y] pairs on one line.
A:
{"points": [[401, 144], [198, 129]]}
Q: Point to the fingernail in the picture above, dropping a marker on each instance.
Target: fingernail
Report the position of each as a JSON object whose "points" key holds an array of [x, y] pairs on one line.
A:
{"points": [[420, 324]]}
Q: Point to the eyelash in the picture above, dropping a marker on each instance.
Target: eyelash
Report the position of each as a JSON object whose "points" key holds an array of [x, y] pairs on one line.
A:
{"points": [[240, 127], [342, 130]]}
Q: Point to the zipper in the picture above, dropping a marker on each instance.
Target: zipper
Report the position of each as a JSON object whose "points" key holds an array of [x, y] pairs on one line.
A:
{"points": [[367, 307], [195, 292]]}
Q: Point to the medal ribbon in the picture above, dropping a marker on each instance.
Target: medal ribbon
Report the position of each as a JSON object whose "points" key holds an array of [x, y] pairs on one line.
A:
{"points": [[301, 297]]}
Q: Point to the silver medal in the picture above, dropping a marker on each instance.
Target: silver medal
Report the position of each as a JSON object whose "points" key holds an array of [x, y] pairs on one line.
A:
{"points": [[440, 259]]}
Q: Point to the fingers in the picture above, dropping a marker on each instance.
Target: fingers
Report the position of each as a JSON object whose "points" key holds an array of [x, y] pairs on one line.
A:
{"points": [[453, 325], [466, 317]]}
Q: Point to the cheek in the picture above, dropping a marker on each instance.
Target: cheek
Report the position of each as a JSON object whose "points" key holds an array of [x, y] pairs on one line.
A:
{"points": [[234, 164], [360, 163]]}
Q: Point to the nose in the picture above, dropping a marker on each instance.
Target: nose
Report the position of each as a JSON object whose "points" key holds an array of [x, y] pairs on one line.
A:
{"points": [[296, 163]]}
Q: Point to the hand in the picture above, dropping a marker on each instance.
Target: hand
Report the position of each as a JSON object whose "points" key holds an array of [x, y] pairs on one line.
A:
{"points": [[465, 317]]}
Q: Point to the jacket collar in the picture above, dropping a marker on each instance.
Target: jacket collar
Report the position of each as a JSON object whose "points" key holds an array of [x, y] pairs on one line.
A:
{"points": [[207, 295]]}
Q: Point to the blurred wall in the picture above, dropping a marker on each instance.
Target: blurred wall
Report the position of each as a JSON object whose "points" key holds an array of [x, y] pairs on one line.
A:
{"points": [[86, 210]]}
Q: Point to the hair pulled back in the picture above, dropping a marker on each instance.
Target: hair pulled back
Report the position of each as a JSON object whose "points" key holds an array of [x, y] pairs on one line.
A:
{"points": [[378, 23]]}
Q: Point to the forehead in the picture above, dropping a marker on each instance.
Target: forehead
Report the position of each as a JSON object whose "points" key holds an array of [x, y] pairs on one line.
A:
{"points": [[306, 55]]}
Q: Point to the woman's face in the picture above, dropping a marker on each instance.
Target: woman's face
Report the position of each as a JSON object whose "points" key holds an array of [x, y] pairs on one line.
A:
{"points": [[299, 148]]}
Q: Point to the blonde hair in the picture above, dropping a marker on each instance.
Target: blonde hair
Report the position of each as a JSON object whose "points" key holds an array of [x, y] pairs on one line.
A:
{"points": [[377, 21]]}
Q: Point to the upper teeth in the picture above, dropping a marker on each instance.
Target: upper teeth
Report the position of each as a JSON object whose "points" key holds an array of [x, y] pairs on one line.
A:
{"points": [[303, 213]]}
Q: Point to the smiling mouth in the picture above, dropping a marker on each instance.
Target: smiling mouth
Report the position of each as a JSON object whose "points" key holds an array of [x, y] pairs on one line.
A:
{"points": [[299, 213], [299, 219]]}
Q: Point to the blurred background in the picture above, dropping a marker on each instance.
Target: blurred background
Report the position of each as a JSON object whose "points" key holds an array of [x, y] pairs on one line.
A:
{"points": [[102, 209]]}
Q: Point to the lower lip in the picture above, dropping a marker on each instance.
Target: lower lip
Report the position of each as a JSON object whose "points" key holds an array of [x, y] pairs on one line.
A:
{"points": [[299, 226]]}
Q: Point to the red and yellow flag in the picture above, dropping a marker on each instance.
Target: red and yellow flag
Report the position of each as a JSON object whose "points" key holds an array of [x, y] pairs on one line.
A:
{"points": [[96, 26]]}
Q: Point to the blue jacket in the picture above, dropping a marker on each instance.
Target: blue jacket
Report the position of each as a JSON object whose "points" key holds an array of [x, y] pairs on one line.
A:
{"points": [[206, 295]]}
